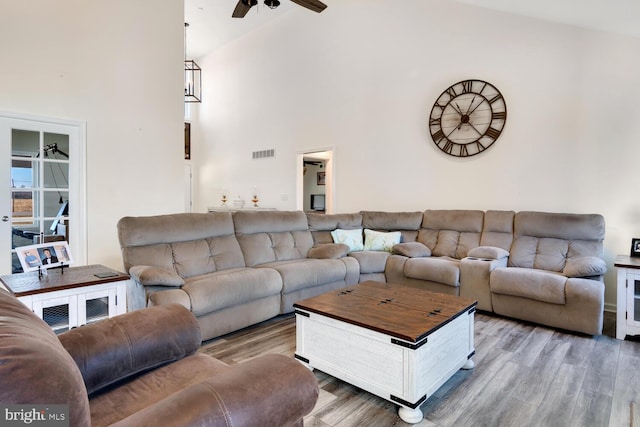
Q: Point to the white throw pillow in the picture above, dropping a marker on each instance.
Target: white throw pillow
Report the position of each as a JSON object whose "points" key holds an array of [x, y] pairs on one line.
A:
{"points": [[379, 241], [351, 238]]}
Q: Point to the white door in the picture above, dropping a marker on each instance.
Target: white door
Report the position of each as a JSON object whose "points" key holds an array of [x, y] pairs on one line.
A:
{"points": [[42, 168]]}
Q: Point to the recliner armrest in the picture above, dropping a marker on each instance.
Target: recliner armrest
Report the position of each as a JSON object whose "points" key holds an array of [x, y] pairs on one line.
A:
{"points": [[125, 345], [148, 275], [270, 391]]}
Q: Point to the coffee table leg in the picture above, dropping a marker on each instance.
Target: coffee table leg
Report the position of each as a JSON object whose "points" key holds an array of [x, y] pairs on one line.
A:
{"points": [[411, 416], [469, 365]]}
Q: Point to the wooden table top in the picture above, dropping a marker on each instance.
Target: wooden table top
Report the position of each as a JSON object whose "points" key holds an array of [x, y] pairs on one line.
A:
{"points": [[29, 283], [627, 261], [404, 312]]}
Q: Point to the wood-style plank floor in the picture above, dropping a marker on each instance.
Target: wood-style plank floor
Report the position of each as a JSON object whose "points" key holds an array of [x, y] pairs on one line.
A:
{"points": [[525, 375]]}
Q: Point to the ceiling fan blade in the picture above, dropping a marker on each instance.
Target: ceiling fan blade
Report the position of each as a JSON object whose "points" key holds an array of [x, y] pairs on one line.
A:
{"points": [[315, 5], [242, 8]]}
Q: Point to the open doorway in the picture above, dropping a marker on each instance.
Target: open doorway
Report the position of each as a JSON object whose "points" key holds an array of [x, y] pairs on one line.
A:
{"points": [[315, 181]]}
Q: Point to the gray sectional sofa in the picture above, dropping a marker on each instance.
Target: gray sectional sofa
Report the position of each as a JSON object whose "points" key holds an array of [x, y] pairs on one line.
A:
{"points": [[233, 270]]}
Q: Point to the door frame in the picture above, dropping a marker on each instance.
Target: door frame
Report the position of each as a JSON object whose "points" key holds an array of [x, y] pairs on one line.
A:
{"points": [[77, 173]]}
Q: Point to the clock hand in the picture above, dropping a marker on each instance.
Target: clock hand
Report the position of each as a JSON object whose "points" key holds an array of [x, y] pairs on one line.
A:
{"points": [[471, 112], [458, 110], [471, 103], [474, 128]]}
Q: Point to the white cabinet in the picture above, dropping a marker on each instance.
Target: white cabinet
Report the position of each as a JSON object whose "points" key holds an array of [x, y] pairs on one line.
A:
{"points": [[628, 300], [74, 298]]}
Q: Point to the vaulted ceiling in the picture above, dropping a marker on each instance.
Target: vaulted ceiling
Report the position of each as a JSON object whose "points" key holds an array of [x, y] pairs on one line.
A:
{"points": [[211, 24]]}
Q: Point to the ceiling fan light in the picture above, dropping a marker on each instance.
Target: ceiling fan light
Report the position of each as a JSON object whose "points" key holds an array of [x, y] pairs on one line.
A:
{"points": [[272, 4], [250, 3]]}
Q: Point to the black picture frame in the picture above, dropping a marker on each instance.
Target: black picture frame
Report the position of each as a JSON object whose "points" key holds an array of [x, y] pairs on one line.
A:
{"points": [[635, 248], [321, 178]]}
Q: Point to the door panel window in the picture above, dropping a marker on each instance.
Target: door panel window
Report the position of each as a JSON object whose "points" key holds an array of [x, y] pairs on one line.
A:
{"points": [[39, 188]]}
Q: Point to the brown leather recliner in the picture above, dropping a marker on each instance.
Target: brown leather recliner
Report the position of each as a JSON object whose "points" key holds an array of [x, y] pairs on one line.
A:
{"points": [[142, 368]]}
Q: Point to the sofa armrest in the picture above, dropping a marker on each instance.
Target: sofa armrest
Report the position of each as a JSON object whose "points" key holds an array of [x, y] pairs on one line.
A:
{"points": [[328, 251], [411, 249], [148, 275], [270, 391], [116, 348], [475, 274], [488, 253], [586, 266]]}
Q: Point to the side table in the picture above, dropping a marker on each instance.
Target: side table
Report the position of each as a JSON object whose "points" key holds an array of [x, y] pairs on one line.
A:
{"points": [[628, 299], [73, 297]]}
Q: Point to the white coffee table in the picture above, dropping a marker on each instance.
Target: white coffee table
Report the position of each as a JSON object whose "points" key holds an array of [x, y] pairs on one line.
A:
{"points": [[397, 342]]}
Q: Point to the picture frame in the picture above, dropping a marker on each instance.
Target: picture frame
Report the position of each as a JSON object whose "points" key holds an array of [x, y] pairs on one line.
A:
{"points": [[44, 255], [635, 247], [321, 178]]}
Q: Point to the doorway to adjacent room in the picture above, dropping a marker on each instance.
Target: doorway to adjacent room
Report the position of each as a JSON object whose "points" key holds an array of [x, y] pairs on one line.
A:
{"points": [[315, 183]]}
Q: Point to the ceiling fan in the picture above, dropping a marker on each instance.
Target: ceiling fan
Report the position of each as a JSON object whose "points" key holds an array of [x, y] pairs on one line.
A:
{"points": [[243, 6]]}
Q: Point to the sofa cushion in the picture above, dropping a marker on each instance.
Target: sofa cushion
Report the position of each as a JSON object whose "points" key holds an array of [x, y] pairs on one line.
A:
{"points": [[371, 261], [307, 273], [328, 251], [585, 267], [269, 236], [148, 275], [231, 287], [411, 249], [134, 396], [148, 240], [351, 238], [451, 233], [197, 257], [380, 241], [529, 283], [546, 241], [439, 269]]}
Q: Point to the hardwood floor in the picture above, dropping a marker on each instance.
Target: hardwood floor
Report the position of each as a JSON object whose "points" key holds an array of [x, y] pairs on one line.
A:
{"points": [[525, 375]]}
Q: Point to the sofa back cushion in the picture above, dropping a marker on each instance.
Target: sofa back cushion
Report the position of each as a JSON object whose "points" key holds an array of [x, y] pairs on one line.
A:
{"points": [[407, 223], [546, 241], [268, 236], [189, 243], [321, 225], [451, 233], [497, 230]]}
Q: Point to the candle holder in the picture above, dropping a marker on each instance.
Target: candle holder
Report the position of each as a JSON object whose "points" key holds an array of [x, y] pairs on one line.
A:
{"points": [[224, 200], [255, 200]]}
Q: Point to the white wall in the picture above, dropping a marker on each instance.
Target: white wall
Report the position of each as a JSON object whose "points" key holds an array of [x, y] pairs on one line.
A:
{"points": [[116, 65], [363, 76]]}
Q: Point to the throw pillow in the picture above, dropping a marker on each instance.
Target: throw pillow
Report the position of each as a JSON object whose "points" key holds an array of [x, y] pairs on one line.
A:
{"points": [[411, 249], [584, 267], [351, 238], [379, 241]]}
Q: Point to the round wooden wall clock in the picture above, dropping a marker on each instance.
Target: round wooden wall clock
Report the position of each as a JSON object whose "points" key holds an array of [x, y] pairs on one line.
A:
{"points": [[467, 118]]}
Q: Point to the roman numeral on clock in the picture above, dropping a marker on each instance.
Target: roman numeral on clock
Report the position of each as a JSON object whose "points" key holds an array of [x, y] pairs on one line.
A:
{"points": [[499, 115], [466, 86], [434, 121], [492, 133]]}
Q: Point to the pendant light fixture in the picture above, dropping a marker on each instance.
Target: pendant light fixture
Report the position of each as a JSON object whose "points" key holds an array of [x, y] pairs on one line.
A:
{"points": [[192, 75]]}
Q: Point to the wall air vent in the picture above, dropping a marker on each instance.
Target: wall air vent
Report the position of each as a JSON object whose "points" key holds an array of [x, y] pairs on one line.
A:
{"points": [[263, 154]]}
